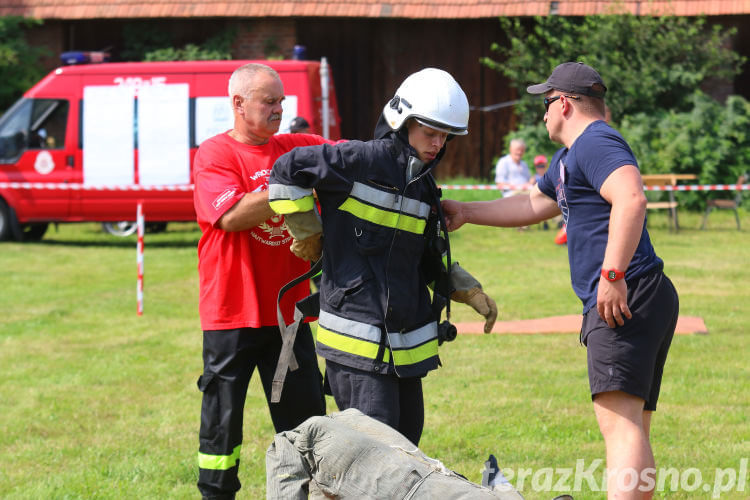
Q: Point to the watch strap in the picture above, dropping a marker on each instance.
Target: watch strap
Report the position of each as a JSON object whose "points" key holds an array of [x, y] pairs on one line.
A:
{"points": [[613, 274]]}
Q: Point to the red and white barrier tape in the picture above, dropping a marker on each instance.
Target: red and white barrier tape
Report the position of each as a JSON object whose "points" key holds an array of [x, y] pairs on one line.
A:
{"points": [[140, 222], [72, 186], [690, 187], [467, 187]]}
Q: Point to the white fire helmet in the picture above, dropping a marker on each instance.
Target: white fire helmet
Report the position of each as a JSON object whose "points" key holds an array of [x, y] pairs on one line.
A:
{"points": [[433, 98]]}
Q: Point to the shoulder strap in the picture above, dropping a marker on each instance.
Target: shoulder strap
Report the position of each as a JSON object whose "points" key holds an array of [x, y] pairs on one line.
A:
{"points": [[307, 307]]}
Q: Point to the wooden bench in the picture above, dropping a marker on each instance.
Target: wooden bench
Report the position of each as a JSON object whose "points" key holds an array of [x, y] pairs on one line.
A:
{"points": [[671, 205]]}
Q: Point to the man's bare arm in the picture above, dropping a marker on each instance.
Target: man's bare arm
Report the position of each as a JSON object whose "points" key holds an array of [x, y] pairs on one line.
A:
{"points": [[519, 210], [250, 211]]}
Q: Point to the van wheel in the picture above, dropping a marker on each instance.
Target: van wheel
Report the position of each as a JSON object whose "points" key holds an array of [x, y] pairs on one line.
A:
{"points": [[34, 232], [122, 228], [5, 231]]}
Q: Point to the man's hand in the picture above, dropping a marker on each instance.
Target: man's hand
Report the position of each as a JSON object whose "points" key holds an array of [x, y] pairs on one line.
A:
{"points": [[454, 217], [311, 248], [612, 301]]}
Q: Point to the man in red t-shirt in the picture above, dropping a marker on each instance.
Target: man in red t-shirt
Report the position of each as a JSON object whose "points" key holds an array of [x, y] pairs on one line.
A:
{"points": [[243, 261]]}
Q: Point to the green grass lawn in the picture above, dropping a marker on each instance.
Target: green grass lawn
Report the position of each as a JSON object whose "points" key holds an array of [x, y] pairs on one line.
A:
{"points": [[98, 403]]}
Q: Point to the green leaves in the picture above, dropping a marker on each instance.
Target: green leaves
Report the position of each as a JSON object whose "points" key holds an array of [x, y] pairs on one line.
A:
{"points": [[653, 68], [19, 68]]}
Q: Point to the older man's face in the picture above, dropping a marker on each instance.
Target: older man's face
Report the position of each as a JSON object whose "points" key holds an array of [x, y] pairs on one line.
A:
{"points": [[261, 110], [516, 152]]}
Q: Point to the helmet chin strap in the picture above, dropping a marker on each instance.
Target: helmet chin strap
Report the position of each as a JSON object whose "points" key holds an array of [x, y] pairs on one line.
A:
{"points": [[413, 167]]}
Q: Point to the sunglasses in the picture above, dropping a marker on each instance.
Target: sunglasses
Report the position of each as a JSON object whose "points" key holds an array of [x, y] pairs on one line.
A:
{"points": [[550, 100]]}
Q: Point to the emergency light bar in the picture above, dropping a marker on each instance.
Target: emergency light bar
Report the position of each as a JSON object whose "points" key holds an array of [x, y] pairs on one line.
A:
{"points": [[81, 57]]}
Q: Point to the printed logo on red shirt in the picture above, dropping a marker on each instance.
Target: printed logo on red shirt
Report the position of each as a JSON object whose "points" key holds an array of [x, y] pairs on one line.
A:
{"points": [[272, 232], [222, 198]]}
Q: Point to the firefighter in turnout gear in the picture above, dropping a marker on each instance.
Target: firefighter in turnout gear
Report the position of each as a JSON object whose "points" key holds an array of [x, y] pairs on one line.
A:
{"points": [[384, 279]]}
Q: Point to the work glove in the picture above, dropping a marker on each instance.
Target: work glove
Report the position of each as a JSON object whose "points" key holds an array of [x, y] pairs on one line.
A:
{"points": [[311, 248], [469, 291], [307, 231]]}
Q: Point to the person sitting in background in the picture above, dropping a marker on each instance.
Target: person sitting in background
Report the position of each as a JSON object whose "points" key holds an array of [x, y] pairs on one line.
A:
{"points": [[511, 172], [540, 166]]}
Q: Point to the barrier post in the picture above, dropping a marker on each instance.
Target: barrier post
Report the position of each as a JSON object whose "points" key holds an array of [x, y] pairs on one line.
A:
{"points": [[139, 257]]}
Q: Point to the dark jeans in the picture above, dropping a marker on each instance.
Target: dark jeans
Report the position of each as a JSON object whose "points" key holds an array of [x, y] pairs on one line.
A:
{"points": [[229, 359]]}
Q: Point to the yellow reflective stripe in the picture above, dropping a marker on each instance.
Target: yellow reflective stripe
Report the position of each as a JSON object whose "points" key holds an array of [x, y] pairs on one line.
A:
{"points": [[289, 207], [369, 350], [383, 217], [415, 355], [347, 344], [219, 462]]}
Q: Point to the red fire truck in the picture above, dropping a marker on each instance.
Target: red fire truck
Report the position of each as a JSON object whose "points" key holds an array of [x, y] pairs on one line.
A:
{"points": [[89, 141]]}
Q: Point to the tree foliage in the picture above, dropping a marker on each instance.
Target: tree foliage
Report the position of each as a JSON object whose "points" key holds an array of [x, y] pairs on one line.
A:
{"points": [[156, 44], [647, 62], [654, 68], [19, 61]]}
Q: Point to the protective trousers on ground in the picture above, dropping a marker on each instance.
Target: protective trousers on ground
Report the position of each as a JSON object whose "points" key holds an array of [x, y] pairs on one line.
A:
{"points": [[349, 455]]}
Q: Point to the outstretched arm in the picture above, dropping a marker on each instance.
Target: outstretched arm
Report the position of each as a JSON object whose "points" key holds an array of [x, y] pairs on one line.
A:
{"points": [[519, 210]]}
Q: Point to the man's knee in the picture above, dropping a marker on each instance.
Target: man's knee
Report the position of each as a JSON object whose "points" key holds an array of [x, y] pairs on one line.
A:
{"points": [[615, 409]]}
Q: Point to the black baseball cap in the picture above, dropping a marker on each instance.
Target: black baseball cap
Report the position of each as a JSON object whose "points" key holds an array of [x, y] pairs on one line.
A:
{"points": [[298, 123], [573, 77]]}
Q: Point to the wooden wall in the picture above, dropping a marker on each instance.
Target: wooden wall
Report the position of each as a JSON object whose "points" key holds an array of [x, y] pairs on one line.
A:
{"points": [[371, 57]]}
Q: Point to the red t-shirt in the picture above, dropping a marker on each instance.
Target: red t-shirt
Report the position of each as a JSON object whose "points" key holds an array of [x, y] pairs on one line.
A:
{"points": [[241, 272]]}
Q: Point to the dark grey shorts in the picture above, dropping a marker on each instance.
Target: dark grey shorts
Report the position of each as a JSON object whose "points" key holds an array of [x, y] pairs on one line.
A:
{"points": [[630, 358]]}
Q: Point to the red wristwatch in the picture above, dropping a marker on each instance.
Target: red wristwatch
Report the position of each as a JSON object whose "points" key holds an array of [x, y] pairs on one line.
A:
{"points": [[613, 274]]}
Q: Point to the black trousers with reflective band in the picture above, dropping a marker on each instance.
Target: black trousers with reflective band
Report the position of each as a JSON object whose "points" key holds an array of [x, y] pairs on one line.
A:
{"points": [[229, 359]]}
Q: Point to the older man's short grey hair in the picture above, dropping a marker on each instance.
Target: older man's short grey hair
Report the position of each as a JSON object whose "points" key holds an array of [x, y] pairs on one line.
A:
{"points": [[517, 142], [241, 81]]}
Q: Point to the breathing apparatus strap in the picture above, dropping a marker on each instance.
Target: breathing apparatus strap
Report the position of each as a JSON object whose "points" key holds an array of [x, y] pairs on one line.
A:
{"points": [[444, 230], [305, 308]]}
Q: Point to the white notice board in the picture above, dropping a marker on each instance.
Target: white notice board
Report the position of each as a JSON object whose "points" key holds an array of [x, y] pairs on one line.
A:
{"points": [[289, 105], [163, 135], [213, 115], [108, 113]]}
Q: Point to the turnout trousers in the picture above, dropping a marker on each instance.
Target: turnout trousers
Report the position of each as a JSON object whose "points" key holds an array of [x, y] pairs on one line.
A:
{"points": [[397, 402], [229, 359]]}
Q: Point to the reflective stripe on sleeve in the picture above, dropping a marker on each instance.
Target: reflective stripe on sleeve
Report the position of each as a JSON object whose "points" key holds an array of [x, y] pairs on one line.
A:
{"points": [[284, 192], [219, 462], [290, 207]]}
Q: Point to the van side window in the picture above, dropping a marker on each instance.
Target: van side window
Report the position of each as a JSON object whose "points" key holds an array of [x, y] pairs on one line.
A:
{"points": [[14, 127], [48, 120]]}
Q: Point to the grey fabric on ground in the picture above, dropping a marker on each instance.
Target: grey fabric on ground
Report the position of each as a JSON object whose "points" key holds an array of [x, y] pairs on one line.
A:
{"points": [[349, 455]]}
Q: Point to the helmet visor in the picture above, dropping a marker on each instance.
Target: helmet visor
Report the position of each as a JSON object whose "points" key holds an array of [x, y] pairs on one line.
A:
{"points": [[442, 127]]}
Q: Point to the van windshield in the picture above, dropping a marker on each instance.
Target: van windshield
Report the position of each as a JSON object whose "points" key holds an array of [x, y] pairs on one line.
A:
{"points": [[14, 127], [32, 124]]}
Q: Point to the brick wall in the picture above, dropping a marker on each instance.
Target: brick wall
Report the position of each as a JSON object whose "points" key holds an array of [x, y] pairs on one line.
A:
{"points": [[266, 38], [50, 36]]}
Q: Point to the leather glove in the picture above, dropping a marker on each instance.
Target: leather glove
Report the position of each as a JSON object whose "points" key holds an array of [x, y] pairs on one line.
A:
{"points": [[311, 248], [302, 225], [307, 231], [469, 291]]}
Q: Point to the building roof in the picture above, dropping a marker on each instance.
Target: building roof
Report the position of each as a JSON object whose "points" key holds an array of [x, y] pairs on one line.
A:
{"points": [[409, 9]]}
